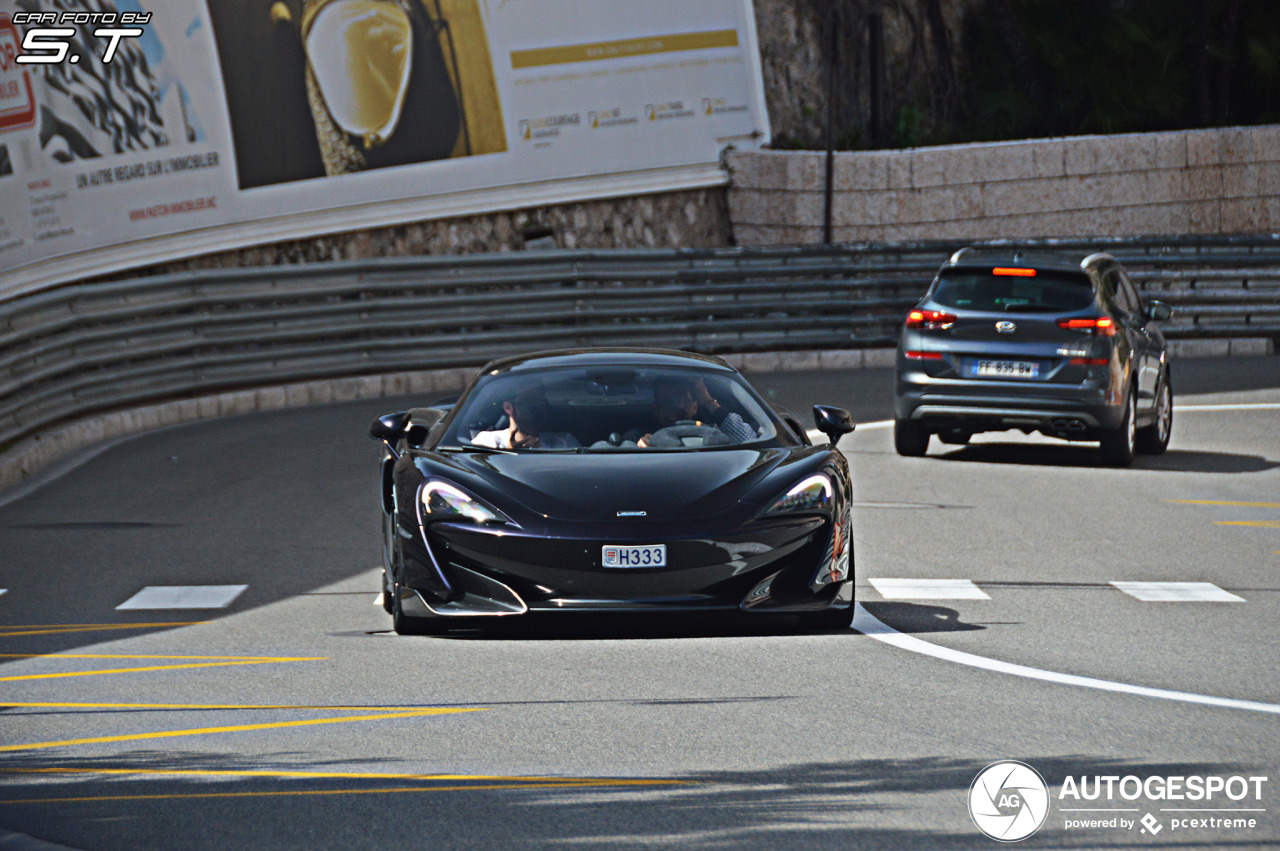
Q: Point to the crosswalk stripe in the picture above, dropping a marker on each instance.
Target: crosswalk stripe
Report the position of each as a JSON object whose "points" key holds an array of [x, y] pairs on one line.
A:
{"points": [[928, 589], [184, 597], [965, 589], [1177, 592]]}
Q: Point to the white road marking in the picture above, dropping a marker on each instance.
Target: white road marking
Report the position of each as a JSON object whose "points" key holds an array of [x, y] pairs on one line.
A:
{"points": [[1252, 406], [1177, 592], [377, 601], [872, 627], [184, 597], [928, 589]]}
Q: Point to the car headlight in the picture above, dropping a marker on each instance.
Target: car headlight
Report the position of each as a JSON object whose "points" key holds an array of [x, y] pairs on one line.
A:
{"points": [[814, 493], [443, 501]]}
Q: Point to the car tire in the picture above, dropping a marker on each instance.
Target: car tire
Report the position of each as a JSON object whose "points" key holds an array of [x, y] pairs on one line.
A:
{"points": [[828, 619], [1154, 439], [1118, 444], [910, 438], [388, 558]]}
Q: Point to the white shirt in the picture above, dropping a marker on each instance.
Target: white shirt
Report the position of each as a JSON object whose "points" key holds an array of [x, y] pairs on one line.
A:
{"points": [[501, 439]]}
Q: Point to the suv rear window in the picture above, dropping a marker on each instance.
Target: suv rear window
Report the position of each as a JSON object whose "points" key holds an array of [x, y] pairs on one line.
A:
{"points": [[1046, 292]]}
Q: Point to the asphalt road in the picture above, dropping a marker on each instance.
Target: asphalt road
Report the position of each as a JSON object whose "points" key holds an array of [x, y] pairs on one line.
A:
{"points": [[293, 718]]}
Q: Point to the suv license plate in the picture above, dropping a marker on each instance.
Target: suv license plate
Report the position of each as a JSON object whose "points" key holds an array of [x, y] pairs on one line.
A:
{"points": [[651, 555], [1006, 369]]}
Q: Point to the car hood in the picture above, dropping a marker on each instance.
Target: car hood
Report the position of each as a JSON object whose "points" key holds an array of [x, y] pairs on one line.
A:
{"points": [[597, 486]]}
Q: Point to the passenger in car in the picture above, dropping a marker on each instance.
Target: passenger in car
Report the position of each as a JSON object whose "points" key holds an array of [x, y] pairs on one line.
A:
{"points": [[676, 400], [526, 411]]}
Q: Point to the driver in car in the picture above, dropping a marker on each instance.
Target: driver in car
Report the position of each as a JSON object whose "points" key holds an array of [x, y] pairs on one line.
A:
{"points": [[677, 401], [526, 411]]}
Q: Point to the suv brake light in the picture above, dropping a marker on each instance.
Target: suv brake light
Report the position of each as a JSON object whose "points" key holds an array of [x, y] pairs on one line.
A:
{"points": [[1101, 325], [930, 319]]}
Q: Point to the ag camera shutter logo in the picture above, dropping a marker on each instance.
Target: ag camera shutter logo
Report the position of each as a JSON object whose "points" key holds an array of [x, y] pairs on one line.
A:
{"points": [[1008, 801]]}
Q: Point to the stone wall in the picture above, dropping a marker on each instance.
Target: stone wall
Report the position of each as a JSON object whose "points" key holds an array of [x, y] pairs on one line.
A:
{"points": [[1223, 181], [695, 218]]}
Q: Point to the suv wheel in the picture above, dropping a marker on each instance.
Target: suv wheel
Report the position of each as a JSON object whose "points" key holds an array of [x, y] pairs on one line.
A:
{"points": [[910, 438], [1118, 444], [1154, 439]]}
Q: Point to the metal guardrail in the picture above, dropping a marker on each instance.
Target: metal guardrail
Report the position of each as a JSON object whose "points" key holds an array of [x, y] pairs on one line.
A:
{"points": [[85, 348]]}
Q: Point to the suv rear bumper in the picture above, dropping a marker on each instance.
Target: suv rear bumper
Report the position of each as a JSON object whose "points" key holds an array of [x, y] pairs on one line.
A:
{"points": [[1076, 411]]}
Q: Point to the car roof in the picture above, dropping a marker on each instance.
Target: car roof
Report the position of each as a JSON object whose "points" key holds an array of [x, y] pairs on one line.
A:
{"points": [[610, 356], [1056, 261]]}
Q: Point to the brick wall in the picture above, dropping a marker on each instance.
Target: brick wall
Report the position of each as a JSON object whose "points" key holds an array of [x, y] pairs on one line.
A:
{"points": [[1224, 181]]}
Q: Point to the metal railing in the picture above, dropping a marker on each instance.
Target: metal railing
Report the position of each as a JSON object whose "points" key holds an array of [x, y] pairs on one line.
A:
{"points": [[91, 347]]}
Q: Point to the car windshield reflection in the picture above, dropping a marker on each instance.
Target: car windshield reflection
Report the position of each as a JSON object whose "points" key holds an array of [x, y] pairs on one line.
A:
{"points": [[610, 410]]}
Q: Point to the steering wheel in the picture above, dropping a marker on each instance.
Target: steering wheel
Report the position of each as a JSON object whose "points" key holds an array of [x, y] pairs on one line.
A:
{"points": [[685, 432]]}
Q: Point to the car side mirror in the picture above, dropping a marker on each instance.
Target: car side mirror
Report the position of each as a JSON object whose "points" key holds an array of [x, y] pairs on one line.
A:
{"points": [[835, 423], [1157, 311], [389, 428]]}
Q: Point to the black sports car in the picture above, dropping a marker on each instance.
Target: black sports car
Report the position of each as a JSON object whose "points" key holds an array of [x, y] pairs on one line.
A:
{"points": [[629, 480], [1056, 343]]}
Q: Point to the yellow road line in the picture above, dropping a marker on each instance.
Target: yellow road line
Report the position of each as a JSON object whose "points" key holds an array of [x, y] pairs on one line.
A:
{"points": [[1219, 502], [199, 706], [59, 629], [1270, 524], [138, 656], [328, 775], [151, 668], [238, 728], [566, 784]]}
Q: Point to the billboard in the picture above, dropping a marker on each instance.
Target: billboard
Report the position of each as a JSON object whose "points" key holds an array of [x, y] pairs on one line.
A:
{"points": [[140, 131]]}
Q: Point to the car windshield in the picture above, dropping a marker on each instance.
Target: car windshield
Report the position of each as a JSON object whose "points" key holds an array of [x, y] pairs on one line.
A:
{"points": [[1042, 292], [610, 409]]}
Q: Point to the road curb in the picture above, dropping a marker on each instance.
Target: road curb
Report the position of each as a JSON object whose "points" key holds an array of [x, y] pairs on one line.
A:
{"points": [[20, 464]]}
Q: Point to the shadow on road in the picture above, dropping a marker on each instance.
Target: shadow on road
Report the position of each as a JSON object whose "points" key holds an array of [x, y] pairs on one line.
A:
{"points": [[913, 618], [847, 804], [1087, 455]]}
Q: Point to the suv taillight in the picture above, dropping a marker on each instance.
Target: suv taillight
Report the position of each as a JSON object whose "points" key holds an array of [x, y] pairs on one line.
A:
{"points": [[1103, 326], [930, 319]]}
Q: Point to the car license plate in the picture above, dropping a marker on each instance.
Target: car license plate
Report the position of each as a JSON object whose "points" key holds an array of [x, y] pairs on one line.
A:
{"points": [[1006, 369], [651, 555]]}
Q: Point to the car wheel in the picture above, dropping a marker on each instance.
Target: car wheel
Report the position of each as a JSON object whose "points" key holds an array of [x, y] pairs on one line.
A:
{"points": [[828, 619], [388, 554], [1154, 439], [406, 625], [910, 438], [1118, 444]]}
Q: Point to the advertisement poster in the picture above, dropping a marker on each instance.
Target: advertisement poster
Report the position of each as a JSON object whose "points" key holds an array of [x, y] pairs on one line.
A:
{"points": [[134, 132]]}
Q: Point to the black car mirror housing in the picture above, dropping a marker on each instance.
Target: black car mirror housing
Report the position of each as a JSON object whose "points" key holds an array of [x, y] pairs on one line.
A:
{"points": [[389, 428], [835, 423]]}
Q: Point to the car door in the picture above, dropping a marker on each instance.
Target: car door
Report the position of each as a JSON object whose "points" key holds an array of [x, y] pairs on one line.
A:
{"points": [[1146, 357], [1150, 341]]}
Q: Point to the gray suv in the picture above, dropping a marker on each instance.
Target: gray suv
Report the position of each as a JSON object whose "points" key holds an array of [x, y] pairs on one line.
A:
{"points": [[1055, 343]]}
